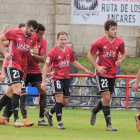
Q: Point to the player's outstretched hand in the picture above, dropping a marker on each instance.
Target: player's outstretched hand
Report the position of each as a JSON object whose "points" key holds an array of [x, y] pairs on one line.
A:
{"points": [[43, 86], [101, 69], [6, 27], [89, 72], [135, 86], [2, 77], [118, 62], [34, 50]]}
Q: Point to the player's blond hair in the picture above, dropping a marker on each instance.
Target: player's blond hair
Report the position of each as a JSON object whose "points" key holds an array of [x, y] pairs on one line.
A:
{"points": [[61, 33]]}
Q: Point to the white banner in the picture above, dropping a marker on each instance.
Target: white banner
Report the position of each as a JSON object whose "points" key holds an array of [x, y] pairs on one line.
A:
{"points": [[125, 12]]}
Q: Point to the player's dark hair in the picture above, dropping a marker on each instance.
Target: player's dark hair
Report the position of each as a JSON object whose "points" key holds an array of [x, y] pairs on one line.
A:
{"points": [[32, 23], [21, 25], [61, 33], [109, 23], [40, 27]]}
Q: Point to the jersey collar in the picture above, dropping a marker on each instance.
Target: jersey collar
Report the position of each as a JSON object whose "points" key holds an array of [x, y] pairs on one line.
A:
{"points": [[109, 40], [63, 50]]}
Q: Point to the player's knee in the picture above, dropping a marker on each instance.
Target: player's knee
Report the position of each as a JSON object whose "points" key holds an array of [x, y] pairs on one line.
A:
{"points": [[59, 99], [65, 103], [107, 99], [10, 95], [18, 91]]}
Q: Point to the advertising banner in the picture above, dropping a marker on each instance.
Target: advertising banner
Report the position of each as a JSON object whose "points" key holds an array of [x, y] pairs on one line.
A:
{"points": [[125, 12]]}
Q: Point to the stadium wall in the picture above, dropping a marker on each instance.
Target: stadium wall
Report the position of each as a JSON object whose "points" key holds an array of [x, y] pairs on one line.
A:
{"points": [[55, 15]]}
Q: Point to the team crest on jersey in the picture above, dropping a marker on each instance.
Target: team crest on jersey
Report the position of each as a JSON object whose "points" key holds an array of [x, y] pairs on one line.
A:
{"points": [[19, 39], [68, 55], [104, 47], [31, 40], [116, 48], [48, 60]]}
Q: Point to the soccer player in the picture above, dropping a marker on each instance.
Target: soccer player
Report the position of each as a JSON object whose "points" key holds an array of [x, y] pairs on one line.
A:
{"points": [[21, 40], [59, 59], [2, 75], [34, 74], [106, 49], [134, 87], [5, 118], [34, 77]]}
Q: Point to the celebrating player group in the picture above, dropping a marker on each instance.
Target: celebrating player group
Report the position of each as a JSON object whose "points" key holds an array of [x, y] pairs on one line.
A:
{"points": [[26, 49]]}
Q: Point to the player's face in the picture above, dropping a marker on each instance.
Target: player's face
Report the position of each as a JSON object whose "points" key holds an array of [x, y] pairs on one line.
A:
{"points": [[40, 34], [29, 31], [62, 41], [112, 32]]}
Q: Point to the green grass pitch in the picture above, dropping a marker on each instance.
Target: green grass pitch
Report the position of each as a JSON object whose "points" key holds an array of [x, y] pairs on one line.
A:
{"points": [[77, 126]]}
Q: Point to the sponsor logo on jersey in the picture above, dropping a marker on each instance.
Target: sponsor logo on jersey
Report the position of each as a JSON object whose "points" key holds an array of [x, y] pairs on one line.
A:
{"points": [[24, 47], [116, 48], [104, 47], [31, 40], [64, 63], [19, 39], [59, 57], [109, 54]]}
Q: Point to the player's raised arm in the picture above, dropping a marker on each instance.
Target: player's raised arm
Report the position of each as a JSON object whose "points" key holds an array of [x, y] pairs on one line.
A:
{"points": [[5, 28], [2, 48]]}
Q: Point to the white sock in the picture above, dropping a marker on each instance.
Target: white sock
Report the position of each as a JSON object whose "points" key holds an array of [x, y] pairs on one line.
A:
{"points": [[50, 113], [40, 119]]}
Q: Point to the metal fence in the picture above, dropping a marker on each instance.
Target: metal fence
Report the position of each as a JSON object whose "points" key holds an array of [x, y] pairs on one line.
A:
{"points": [[84, 93]]}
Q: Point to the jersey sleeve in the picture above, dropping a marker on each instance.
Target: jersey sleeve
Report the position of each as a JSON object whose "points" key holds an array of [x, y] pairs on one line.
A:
{"points": [[122, 47], [49, 58], [43, 48], [10, 34], [94, 47]]}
